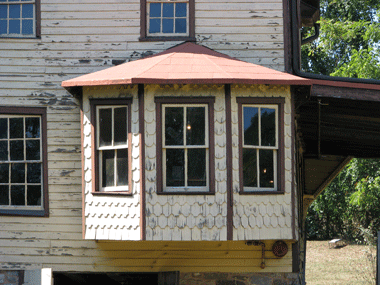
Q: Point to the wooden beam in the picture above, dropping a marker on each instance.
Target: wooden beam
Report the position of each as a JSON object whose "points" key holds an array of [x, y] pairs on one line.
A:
{"points": [[354, 93]]}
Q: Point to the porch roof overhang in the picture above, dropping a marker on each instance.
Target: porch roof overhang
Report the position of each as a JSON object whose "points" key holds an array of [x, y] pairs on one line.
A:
{"points": [[187, 63]]}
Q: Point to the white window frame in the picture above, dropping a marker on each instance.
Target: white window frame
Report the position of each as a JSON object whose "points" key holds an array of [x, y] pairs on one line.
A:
{"points": [[161, 34], [260, 147], [186, 147], [100, 149], [25, 162], [20, 35]]}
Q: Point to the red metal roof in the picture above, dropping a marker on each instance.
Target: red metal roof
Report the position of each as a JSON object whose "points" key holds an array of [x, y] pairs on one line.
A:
{"points": [[185, 64]]}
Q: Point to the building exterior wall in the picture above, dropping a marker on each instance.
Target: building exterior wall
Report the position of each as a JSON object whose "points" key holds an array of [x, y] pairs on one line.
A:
{"points": [[79, 38]]}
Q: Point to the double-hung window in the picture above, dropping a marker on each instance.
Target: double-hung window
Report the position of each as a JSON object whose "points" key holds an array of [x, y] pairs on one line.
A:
{"points": [[19, 18], [260, 145], [112, 146], [162, 20], [23, 168], [185, 147]]}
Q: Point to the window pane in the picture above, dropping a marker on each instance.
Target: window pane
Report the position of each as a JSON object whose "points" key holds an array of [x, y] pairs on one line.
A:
{"points": [[180, 10], [33, 150], [3, 11], [108, 166], [4, 195], [196, 167], [3, 26], [105, 127], [180, 25], [120, 126], [3, 150], [34, 195], [266, 168], [3, 128], [33, 173], [4, 173], [32, 127], [122, 167], [16, 127], [175, 167], [18, 195], [174, 126], [17, 173], [17, 150], [167, 26], [27, 10], [195, 126], [268, 127], [154, 26], [249, 167], [155, 9], [27, 27], [168, 10], [14, 11], [14, 26], [251, 125]]}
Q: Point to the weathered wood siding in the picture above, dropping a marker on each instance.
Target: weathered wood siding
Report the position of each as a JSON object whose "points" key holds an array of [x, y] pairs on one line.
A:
{"points": [[262, 216], [111, 217], [79, 37]]}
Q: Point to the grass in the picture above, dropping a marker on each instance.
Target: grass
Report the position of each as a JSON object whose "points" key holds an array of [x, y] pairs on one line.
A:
{"points": [[352, 264]]}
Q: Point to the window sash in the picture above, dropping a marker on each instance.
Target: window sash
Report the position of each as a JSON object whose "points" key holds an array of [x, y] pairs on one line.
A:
{"points": [[24, 162], [20, 19], [258, 146], [185, 147], [161, 18], [113, 146]]}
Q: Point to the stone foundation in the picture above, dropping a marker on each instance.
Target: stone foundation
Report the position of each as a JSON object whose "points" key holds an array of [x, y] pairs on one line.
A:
{"points": [[11, 277], [239, 279]]}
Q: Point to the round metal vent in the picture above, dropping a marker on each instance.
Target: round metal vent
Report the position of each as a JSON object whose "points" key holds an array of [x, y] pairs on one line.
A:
{"points": [[280, 248]]}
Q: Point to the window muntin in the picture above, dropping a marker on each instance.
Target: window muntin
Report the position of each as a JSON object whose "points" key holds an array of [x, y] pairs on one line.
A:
{"points": [[21, 163], [167, 18], [260, 147], [112, 147], [185, 147], [18, 18]]}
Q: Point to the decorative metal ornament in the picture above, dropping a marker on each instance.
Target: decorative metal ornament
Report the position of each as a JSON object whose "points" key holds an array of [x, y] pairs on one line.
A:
{"points": [[280, 248]]}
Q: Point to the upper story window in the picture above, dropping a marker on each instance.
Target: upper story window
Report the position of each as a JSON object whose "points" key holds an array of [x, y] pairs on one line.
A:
{"points": [[167, 20], [260, 145], [185, 149], [112, 151], [23, 165], [19, 18]]}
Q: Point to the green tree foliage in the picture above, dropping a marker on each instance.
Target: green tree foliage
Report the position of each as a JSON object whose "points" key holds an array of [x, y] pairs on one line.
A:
{"points": [[349, 41], [350, 206]]}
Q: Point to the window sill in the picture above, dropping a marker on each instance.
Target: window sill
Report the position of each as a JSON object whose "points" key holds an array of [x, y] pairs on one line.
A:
{"points": [[24, 213], [169, 38], [262, 192], [185, 193], [111, 193]]}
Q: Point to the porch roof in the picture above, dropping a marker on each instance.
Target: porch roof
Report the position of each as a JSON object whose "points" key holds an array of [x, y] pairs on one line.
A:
{"points": [[187, 63]]}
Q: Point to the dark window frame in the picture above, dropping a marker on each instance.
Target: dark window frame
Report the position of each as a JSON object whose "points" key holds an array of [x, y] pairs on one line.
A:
{"points": [[94, 152], [144, 26], [37, 23], [209, 101], [280, 102], [12, 110]]}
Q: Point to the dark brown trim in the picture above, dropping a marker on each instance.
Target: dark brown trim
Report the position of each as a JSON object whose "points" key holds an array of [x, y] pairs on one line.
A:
{"points": [[142, 163], [230, 202], [11, 110], [294, 164], [143, 25], [94, 153], [287, 36], [280, 101], [295, 257], [185, 100], [38, 18]]}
